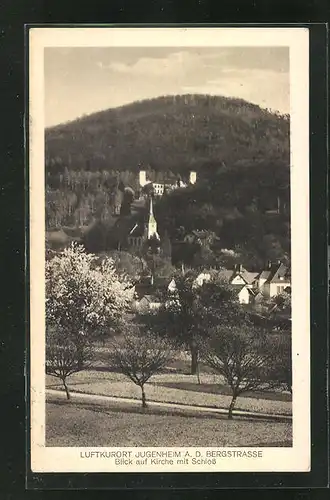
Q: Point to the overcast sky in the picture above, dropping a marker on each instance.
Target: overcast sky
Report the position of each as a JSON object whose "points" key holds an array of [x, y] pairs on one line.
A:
{"points": [[84, 80]]}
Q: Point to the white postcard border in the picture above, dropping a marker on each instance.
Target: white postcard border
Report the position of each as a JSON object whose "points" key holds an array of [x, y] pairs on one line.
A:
{"points": [[295, 459]]}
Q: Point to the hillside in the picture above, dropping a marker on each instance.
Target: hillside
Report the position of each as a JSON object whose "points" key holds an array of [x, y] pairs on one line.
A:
{"points": [[169, 134], [240, 151]]}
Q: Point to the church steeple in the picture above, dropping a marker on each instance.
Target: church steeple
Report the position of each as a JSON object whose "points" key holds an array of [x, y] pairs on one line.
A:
{"points": [[151, 226], [151, 208]]}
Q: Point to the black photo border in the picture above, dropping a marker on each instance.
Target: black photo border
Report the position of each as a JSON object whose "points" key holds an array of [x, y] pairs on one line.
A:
{"points": [[318, 476]]}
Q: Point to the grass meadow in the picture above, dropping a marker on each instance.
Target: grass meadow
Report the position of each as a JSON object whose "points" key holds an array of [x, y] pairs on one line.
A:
{"points": [[175, 388], [118, 423], [81, 424]]}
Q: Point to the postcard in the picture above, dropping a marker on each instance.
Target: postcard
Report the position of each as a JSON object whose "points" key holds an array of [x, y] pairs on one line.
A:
{"points": [[169, 249]]}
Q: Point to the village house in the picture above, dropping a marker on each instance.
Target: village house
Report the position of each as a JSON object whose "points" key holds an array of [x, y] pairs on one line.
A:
{"points": [[239, 279], [253, 286], [250, 287], [244, 293], [147, 292], [273, 280]]}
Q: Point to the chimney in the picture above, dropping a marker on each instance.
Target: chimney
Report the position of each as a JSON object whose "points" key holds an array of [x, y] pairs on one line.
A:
{"points": [[238, 268]]}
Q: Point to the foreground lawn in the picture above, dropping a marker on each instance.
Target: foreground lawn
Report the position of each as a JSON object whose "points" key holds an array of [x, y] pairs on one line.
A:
{"points": [[223, 389], [74, 424], [171, 388]]}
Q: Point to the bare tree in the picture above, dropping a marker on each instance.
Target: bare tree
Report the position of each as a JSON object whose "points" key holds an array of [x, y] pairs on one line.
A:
{"points": [[243, 356], [190, 311], [139, 357], [65, 357], [282, 360]]}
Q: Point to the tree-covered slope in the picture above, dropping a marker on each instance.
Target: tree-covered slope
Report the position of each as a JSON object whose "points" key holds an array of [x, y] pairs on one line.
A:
{"points": [[240, 152], [169, 133]]}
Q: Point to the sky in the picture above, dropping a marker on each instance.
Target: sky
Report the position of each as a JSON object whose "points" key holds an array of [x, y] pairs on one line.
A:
{"points": [[83, 80]]}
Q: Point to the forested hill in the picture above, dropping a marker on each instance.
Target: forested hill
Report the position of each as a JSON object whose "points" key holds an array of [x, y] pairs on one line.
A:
{"points": [[171, 133], [240, 151]]}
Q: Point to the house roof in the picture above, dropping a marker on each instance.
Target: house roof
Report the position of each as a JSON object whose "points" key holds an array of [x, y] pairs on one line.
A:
{"points": [[239, 288], [148, 298], [264, 275], [144, 289], [226, 274], [279, 273], [248, 276]]}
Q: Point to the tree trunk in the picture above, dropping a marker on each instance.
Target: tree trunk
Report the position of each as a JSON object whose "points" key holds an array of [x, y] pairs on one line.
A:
{"points": [[197, 373], [231, 407], [144, 400], [80, 358], [66, 389], [194, 358]]}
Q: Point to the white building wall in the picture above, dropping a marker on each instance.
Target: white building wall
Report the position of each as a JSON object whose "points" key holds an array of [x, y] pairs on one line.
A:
{"points": [[154, 305], [143, 178], [192, 177], [277, 288], [261, 283], [244, 296], [238, 280], [172, 286], [159, 189], [201, 278]]}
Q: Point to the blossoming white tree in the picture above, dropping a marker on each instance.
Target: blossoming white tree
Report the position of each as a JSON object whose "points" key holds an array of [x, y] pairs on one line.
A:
{"points": [[85, 298]]}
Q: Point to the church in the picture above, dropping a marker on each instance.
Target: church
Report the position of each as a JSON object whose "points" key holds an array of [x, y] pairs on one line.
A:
{"points": [[145, 230]]}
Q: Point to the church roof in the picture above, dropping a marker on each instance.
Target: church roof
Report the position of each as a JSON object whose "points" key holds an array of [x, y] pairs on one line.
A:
{"points": [[137, 230]]}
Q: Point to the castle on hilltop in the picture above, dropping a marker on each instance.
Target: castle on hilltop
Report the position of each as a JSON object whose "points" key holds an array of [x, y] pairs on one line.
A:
{"points": [[159, 188]]}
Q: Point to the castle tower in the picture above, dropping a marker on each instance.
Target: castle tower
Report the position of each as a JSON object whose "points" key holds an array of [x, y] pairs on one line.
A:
{"points": [[142, 178], [151, 226], [192, 177]]}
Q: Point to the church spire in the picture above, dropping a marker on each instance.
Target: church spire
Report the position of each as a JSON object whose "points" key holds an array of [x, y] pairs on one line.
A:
{"points": [[151, 209], [151, 223]]}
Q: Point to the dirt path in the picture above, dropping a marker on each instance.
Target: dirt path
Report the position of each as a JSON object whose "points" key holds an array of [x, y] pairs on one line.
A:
{"points": [[202, 409]]}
